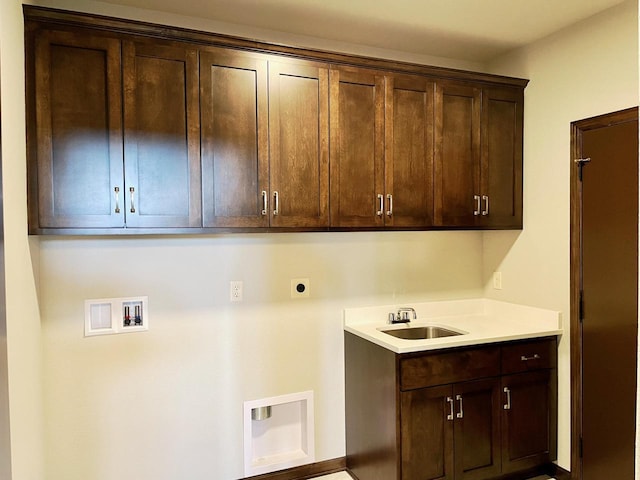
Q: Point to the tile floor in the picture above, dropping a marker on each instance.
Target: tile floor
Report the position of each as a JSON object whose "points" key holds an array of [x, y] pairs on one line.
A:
{"points": [[346, 476]]}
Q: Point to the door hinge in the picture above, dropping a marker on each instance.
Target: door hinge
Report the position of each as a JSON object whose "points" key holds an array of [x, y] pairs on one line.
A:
{"points": [[580, 447], [581, 162], [581, 306]]}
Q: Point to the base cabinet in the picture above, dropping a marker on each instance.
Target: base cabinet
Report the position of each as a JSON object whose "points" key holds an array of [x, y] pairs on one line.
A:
{"points": [[472, 413], [460, 426], [527, 438]]}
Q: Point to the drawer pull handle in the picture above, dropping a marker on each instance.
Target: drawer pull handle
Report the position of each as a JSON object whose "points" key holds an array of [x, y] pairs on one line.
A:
{"points": [[460, 414], [390, 200], [507, 406], [276, 201], [526, 359], [476, 199], [450, 416], [485, 199]]}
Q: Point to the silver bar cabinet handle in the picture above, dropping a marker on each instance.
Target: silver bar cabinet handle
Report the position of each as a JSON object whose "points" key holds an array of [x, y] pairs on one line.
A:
{"points": [[380, 205], [390, 200], [116, 192], [133, 207], [485, 199], [460, 414], [264, 203], [507, 406], [276, 201], [476, 199], [526, 359], [450, 416]]}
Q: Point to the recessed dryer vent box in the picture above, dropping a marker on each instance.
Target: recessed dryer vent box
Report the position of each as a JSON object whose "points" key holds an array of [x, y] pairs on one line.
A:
{"points": [[278, 433], [108, 316]]}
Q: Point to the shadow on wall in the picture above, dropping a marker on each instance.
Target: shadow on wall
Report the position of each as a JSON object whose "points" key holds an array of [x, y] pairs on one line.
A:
{"points": [[502, 242]]}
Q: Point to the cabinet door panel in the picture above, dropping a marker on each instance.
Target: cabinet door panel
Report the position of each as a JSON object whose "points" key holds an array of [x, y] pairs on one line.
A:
{"points": [[234, 123], [501, 180], [477, 429], [409, 150], [527, 434], [298, 144], [79, 131], [427, 434], [357, 148], [457, 154], [162, 147]]}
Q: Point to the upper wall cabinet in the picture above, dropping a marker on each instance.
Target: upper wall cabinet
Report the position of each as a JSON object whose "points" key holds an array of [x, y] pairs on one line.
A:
{"points": [[381, 149], [161, 136], [78, 181], [137, 128], [265, 159], [117, 141], [501, 157], [409, 151], [478, 156], [357, 148], [235, 150], [299, 144]]}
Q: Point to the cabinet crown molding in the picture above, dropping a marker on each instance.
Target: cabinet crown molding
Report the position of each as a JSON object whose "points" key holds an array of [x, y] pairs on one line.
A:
{"points": [[51, 16]]}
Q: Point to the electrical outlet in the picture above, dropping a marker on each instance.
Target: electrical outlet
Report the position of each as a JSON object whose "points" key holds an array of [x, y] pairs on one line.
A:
{"points": [[497, 280], [235, 287], [300, 288]]}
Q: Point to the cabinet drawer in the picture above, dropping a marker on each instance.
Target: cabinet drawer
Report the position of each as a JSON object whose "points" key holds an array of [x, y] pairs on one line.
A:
{"points": [[450, 367], [530, 355]]}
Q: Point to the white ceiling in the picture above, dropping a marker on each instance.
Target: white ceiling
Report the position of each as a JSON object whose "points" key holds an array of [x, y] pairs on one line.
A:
{"points": [[475, 30]]}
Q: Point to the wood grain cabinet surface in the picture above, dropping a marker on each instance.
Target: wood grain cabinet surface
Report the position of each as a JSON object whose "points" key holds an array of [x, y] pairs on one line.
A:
{"points": [[136, 128], [450, 414], [117, 133], [478, 156], [381, 149], [265, 159], [161, 136], [77, 108]]}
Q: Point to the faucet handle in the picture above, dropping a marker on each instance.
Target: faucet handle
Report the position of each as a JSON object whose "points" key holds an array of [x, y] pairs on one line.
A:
{"points": [[403, 314], [392, 317]]}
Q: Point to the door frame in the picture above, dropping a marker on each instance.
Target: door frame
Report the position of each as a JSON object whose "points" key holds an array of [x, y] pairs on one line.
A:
{"points": [[577, 130]]}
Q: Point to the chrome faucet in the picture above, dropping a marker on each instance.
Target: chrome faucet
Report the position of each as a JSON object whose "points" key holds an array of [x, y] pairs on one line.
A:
{"points": [[402, 316]]}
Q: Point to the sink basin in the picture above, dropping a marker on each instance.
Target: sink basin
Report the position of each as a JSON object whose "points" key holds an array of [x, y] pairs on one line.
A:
{"points": [[421, 333]]}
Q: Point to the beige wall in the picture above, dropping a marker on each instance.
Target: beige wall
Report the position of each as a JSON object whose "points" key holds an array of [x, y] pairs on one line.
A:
{"points": [[580, 72], [23, 320], [173, 397]]}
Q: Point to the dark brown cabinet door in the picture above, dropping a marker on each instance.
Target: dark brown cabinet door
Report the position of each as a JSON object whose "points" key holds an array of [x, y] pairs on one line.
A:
{"points": [[477, 429], [299, 144], [427, 425], [78, 115], [501, 173], [457, 154], [409, 151], [357, 148], [527, 434], [234, 136], [162, 141]]}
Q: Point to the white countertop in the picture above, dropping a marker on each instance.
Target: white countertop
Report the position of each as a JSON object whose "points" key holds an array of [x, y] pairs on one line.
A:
{"points": [[481, 320]]}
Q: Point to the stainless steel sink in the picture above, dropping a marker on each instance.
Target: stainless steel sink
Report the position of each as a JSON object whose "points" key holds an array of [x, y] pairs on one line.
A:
{"points": [[421, 333]]}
